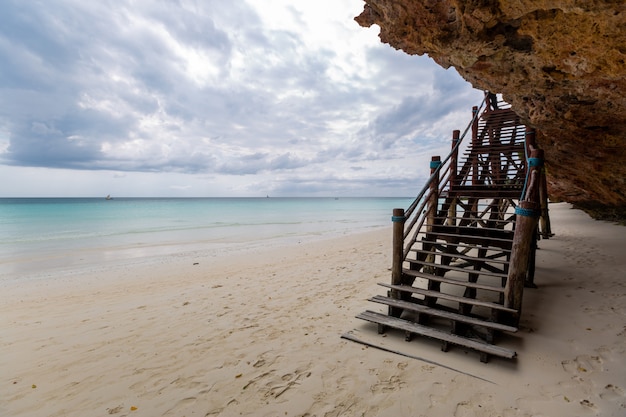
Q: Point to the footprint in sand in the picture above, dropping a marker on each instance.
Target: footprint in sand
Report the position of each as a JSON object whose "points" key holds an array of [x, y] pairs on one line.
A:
{"points": [[271, 385], [115, 410], [614, 393], [479, 405], [582, 364], [588, 404], [439, 394], [394, 383]]}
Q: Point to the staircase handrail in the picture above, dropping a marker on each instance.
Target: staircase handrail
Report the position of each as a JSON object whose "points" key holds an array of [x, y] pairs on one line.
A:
{"points": [[411, 215], [409, 211]]}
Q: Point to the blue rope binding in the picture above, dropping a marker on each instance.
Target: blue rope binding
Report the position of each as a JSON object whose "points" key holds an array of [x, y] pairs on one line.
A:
{"points": [[520, 211], [434, 164]]}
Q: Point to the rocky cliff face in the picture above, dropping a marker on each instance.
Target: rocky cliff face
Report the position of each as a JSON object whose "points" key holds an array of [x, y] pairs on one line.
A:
{"points": [[560, 63]]}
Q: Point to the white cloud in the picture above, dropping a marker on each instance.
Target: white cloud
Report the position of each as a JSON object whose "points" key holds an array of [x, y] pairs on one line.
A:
{"points": [[289, 97]]}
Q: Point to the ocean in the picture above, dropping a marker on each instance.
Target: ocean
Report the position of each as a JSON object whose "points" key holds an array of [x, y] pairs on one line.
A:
{"points": [[41, 234]]}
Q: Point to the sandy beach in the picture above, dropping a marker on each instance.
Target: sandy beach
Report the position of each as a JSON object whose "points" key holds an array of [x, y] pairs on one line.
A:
{"points": [[259, 334]]}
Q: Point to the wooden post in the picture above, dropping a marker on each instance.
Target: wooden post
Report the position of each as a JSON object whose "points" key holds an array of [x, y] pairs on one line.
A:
{"points": [[397, 257], [544, 220], [475, 174], [433, 199], [529, 146], [536, 166], [454, 158], [546, 229], [527, 214], [474, 124], [473, 202], [431, 214]]}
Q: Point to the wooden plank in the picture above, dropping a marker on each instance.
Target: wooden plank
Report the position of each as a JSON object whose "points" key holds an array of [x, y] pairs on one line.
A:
{"points": [[452, 281], [491, 187], [353, 338], [419, 308], [517, 146], [507, 151], [458, 269], [483, 267], [485, 193], [450, 297], [408, 326], [481, 216], [479, 222], [475, 230], [484, 232], [500, 152], [466, 257], [477, 240], [483, 211], [466, 246]]}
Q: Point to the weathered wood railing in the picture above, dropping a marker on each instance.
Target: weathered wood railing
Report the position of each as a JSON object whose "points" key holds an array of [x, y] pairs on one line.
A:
{"points": [[412, 219], [477, 216], [508, 179]]}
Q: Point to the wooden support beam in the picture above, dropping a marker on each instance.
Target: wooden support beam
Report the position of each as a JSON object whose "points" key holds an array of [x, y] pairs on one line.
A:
{"points": [[433, 199], [544, 221], [527, 215], [397, 256], [454, 157], [475, 142]]}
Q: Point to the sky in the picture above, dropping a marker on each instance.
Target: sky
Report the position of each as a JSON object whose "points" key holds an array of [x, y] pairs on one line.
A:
{"points": [[214, 98]]}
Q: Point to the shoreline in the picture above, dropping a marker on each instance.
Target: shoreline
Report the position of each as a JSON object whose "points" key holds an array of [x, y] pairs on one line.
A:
{"points": [[259, 334], [63, 235], [59, 262]]}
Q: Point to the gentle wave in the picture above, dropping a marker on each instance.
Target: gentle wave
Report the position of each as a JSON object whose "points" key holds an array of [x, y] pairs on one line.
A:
{"points": [[68, 229]]}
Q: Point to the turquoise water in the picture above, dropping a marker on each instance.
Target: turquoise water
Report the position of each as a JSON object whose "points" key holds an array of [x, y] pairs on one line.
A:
{"points": [[60, 232]]}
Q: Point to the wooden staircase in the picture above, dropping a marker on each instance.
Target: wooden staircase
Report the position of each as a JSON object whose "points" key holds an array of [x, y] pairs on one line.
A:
{"points": [[464, 249]]}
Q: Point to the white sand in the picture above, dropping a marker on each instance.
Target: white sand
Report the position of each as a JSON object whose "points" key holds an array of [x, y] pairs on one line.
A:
{"points": [[259, 334]]}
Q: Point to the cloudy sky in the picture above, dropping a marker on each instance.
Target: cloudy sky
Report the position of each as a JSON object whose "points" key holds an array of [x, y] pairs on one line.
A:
{"points": [[215, 98]]}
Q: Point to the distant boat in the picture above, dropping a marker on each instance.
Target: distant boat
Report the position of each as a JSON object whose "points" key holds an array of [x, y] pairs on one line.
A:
{"points": [[108, 197]]}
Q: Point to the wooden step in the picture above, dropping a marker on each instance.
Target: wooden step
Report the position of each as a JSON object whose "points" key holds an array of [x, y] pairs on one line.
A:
{"points": [[483, 208], [452, 281], [441, 216], [442, 245], [476, 240], [458, 255], [485, 193], [507, 158], [502, 147], [458, 269], [487, 232], [419, 308], [411, 327], [500, 224], [449, 297], [482, 219]]}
